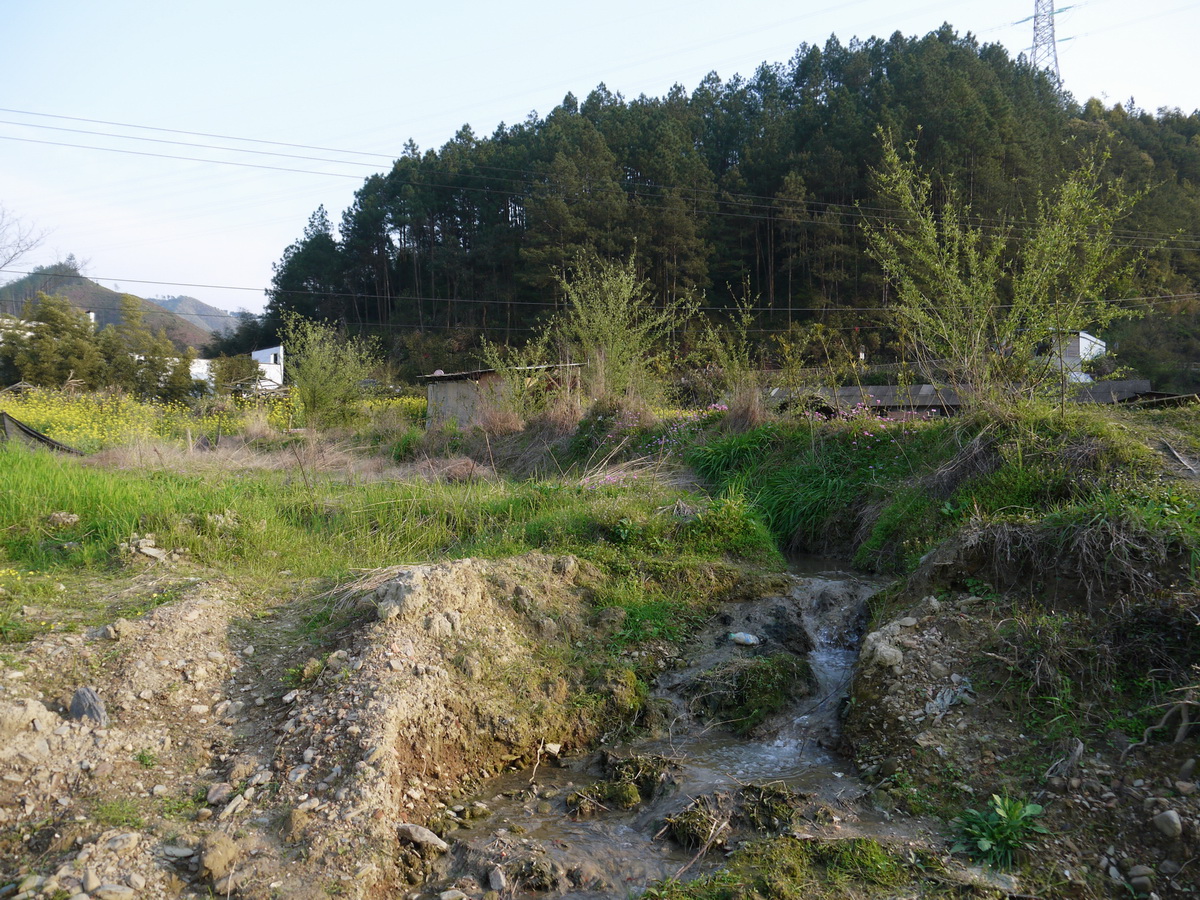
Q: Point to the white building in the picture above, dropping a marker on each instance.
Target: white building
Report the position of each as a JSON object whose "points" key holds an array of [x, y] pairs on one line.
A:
{"points": [[270, 366]]}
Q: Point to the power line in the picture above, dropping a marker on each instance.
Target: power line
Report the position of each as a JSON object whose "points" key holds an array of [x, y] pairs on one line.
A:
{"points": [[746, 205], [1147, 300]]}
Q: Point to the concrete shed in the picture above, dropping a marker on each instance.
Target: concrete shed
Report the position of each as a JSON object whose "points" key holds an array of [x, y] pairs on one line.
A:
{"points": [[459, 396]]}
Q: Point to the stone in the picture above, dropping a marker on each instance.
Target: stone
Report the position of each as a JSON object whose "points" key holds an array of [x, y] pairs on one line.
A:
{"points": [[744, 639], [114, 892], [907, 622], [219, 855], [496, 879], [91, 881], [1169, 867], [1169, 823], [566, 566], [122, 843], [136, 881], [1140, 872], [1184, 788], [19, 716], [452, 895], [219, 793], [421, 836], [1142, 884], [85, 703]]}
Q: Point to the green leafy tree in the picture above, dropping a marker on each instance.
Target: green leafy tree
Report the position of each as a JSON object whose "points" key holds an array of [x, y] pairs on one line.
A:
{"points": [[178, 385], [613, 326], [230, 371], [138, 359], [55, 343], [325, 370], [977, 301]]}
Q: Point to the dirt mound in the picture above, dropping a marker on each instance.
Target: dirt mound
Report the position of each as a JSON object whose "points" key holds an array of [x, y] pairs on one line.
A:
{"points": [[237, 758]]}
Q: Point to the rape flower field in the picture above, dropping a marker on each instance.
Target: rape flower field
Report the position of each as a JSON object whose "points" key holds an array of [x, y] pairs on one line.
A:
{"points": [[93, 422]]}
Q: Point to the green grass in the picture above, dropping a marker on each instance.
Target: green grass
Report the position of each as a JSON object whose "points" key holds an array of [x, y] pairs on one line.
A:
{"points": [[784, 868], [253, 525], [118, 812]]}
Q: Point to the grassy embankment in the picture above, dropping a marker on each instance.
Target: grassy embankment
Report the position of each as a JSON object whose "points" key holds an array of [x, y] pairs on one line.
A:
{"points": [[1086, 499], [290, 530]]}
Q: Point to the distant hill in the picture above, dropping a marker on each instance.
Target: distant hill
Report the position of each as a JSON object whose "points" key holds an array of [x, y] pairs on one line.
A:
{"points": [[83, 293], [199, 313]]}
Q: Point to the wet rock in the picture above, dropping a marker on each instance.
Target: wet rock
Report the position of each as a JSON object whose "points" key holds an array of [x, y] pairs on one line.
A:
{"points": [[421, 836], [1169, 823]]}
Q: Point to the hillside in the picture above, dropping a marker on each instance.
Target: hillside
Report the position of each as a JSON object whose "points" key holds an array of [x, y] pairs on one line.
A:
{"points": [[86, 294], [199, 313]]}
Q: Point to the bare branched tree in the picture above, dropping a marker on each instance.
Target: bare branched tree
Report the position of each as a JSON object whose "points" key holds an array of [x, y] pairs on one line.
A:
{"points": [[16, 238]]}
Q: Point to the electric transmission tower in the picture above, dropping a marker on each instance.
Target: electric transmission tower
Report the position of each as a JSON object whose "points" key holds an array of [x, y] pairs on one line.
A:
{"points": [[1045, 51]]}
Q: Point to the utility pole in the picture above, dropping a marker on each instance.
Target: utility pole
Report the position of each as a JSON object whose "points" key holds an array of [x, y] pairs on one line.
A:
{"points": [[1045, 51]]}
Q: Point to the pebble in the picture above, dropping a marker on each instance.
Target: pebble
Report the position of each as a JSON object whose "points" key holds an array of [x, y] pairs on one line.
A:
{"points": [[114, 892], [122, 843]]}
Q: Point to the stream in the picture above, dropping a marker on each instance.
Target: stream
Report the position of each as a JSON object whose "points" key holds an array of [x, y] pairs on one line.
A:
{"points": [[530, 843]]}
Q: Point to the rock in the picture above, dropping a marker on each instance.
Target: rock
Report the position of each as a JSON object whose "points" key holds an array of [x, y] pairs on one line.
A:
{"points": [[452, 895], [907, 622], [219, 793], [611, 619], [566, 566], [153, 552], [122, 843], [421, 836], [1141, 884], [18, 717], [1140, 872], [496, 879], [744, 639], [1184, 788], [114, 892], [91, 881], [1169, 823], [219, 855], [136, 881], [1169, 867]]}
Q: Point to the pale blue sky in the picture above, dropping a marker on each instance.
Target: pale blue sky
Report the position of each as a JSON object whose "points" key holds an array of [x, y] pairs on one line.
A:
{"points": [[367, 75]]}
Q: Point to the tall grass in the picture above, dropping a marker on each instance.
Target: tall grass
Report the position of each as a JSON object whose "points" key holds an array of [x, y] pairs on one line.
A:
{"points": [[264, 521]]}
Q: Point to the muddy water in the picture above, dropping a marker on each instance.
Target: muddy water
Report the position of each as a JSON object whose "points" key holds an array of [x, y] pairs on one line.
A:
{"points": [[615, 855]]}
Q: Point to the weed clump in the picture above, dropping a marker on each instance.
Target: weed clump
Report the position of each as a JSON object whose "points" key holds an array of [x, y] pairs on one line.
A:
{"points": [[996, 835], [703, 823], [631, 781], [744, 693]]}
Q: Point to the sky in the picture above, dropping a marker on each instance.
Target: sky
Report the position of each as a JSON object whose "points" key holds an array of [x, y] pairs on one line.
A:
{"points": [[147, 139]]}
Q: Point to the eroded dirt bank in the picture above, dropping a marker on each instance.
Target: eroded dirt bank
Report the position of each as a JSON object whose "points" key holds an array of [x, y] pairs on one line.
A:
{"points": [[232, 761]]}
